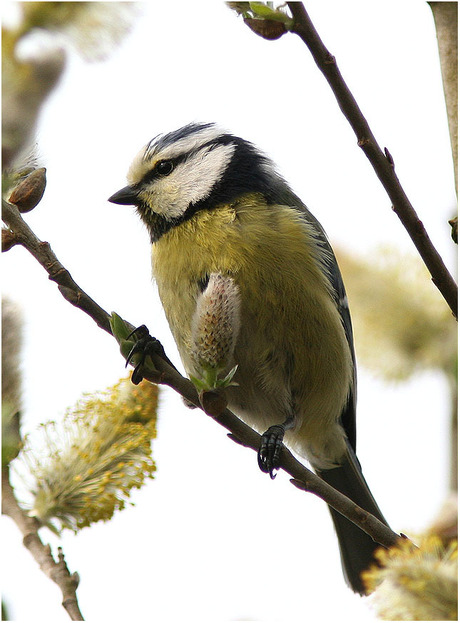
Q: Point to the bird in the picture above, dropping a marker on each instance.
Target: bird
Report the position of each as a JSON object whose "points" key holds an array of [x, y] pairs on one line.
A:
{"points": [[216, 207]]}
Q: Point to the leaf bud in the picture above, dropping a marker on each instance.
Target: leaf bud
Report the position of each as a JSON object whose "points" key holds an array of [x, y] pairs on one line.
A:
{"points": [[266, 28], [29, 192]]}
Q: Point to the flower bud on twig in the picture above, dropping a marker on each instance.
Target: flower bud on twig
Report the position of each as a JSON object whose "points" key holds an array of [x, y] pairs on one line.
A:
{"points": [[29, 192], [215, 327], [263, 18], [265, 28]]}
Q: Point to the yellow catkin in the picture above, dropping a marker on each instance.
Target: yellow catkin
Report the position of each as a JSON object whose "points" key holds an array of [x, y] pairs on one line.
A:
{"points": [[415, 583], [90, 463]]}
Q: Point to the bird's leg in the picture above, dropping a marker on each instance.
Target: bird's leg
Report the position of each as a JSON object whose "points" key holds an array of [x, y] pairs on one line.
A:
{"points": [[271, 444], [146, 345]]}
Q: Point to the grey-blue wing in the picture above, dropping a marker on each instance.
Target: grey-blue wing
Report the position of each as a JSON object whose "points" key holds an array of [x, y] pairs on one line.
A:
{"points": [[348, 416]]}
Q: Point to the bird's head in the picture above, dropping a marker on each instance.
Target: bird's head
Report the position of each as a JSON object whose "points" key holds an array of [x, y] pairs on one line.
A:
{"points": [[198, 166]]}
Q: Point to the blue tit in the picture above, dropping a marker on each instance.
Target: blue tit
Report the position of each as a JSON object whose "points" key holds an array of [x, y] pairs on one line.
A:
{"points": [[214, 204]]}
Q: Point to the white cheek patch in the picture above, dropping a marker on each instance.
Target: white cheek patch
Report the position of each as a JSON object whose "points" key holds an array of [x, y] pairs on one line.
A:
{"points": [[190, 182]]}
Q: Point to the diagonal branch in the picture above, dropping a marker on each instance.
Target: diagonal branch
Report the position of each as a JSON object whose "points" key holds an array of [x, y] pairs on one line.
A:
{"points": [[163, 372], [382, 162], [302, 477], [56, 571]]}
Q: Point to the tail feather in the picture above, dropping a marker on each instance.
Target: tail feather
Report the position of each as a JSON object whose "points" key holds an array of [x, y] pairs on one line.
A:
{"points": [[356, 547]]}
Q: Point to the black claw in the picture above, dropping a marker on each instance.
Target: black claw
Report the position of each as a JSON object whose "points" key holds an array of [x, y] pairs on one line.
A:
{"points": [[140, 344], [142, 331], [136, 376], [270, 450], [145, 345]]}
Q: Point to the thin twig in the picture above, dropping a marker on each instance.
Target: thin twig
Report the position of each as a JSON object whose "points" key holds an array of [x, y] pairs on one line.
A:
{"points": [[166, 374], [382, 162], [56, 571]]}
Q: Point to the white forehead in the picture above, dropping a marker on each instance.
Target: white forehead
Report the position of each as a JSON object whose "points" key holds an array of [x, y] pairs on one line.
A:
{"points": [[171, 145]]}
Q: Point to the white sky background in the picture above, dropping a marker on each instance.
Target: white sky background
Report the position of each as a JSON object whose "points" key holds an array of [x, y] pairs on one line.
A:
{"points": [[212, 538]]}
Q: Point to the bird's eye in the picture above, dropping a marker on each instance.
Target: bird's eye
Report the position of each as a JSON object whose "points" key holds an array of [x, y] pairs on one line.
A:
{"points": [[164, 167]]}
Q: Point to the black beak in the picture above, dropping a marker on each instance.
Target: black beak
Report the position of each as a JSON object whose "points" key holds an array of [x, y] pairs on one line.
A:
{"points": [[126, 196]]}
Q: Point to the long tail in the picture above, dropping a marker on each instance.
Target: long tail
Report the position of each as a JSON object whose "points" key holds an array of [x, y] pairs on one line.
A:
{"points": [[356, 547]]}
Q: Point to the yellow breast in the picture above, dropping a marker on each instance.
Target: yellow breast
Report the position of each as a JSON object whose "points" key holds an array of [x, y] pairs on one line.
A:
{"points": [[292, 346]]}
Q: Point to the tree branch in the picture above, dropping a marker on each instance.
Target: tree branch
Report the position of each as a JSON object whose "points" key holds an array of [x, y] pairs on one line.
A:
{"points": [[56, 571], [166, 374], [302, 477], [382, 162]]}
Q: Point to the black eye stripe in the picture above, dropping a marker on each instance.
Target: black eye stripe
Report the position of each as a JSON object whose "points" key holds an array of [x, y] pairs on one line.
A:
{"points": [[168, 165], [172, 163], [165, 167]]}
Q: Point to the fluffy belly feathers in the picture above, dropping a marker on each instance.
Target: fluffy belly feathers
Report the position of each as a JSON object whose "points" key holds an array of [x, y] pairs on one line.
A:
{"points": [[292, 353]]}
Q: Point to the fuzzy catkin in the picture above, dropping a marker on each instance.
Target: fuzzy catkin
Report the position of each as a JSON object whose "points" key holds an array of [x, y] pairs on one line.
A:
{"points": [[216, 323], [415, 583], [85, 467]]}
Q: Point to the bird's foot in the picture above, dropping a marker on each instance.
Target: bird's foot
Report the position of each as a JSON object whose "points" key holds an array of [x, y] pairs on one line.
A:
{"points": [[270, 449], [145, 346]]}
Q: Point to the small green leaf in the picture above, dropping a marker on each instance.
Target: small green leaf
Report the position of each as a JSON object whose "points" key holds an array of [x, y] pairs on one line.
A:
{"points": [[120, 329], [227, 381], [262, 9], [210, 380], [266, 11], [200, 384]]}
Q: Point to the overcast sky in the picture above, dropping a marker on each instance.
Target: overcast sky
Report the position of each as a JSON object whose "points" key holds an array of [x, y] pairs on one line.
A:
{"points": [[212, 538]]}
